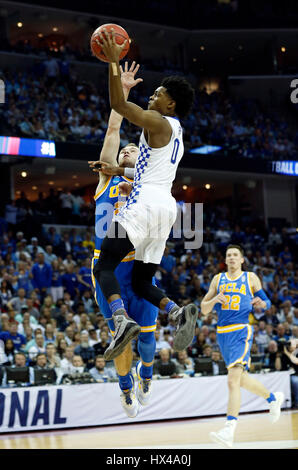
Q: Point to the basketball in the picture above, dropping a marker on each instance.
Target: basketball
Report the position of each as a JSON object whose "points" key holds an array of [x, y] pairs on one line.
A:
{"points": [[120, 35]]}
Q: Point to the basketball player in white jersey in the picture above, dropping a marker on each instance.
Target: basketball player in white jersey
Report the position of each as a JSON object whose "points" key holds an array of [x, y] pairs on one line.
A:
{"points": [[145, 221]]}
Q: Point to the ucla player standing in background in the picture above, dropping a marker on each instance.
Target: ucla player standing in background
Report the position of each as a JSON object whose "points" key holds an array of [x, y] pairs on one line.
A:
{"points": [[108, 202], [233, 294]]}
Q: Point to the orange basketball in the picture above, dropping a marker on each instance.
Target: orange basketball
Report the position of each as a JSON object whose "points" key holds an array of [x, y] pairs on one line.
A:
{"points": [[120, 36]]}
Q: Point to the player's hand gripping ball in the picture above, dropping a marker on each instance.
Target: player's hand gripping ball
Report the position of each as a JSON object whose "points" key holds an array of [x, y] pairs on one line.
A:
{"points": [[120, 36]]}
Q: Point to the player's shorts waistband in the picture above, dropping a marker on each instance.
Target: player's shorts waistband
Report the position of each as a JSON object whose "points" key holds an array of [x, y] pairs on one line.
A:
{"points": [[129, 257], [230, 328]]}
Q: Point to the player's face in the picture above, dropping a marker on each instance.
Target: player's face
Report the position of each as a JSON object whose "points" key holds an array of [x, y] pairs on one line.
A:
{"points": [[128, 156], [160, 101], [234, 259]]}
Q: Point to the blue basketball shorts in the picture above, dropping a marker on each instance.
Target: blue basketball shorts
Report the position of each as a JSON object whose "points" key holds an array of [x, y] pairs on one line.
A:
{"points": [[139, 309], [235, 344]]}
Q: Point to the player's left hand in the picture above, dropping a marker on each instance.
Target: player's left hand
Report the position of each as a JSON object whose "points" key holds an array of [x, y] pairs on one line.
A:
{"points": [[258, 303], [105, 168], [108, 43]]}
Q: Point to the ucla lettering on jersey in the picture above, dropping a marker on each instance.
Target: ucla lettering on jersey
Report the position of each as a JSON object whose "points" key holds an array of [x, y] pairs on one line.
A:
{"points": [[238, 294]]}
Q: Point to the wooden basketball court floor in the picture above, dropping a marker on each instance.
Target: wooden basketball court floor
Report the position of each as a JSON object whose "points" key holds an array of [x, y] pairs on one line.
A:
{"points": [[254, 431]]}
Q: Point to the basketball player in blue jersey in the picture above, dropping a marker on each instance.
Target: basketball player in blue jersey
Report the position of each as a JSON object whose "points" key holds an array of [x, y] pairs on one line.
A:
{"points": [[234, 294], [107, 202], [150, 211]]}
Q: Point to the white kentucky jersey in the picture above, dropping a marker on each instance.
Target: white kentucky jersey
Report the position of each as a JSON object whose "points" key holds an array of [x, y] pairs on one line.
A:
{"points": [[158, 166]]}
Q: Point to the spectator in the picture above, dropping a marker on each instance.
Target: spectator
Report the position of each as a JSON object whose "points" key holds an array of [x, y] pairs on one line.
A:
{"points": [[49, 334], [184, 363], [165, 365], [19, 340], [16, 303], [287, 360], [6, 293], [66, 363], [86, 352], [66, 206], [103, 344], [37, 348], [216, 357], [160, 344], [7, 354], [207, 350], [41, 276], [61, 346], [19, 361], [271, 355], [101, 373], [53, 359], [262, 339], [70, 282], [78, 364]]}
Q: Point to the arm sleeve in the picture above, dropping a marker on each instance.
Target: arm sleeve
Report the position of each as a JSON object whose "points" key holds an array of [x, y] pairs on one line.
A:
{"points": [[262, 294]]}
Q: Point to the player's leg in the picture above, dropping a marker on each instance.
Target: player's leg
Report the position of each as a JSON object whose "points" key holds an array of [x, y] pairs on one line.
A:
{"points": [[274, 399], [234, 347], [123, 364], [113, 249], [184, 317], [144, 368], [225, 436], [124, 361]]}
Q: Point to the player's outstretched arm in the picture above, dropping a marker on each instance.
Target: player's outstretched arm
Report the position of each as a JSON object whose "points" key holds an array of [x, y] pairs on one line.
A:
{"points": [[110, 148], [212, 298]]}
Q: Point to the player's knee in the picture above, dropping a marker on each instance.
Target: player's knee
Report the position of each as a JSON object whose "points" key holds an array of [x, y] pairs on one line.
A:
{"points": [[234, 377]]}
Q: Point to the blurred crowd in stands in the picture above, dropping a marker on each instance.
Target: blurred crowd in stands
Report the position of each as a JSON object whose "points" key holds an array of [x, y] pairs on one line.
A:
{"points": [[49, 314], [50, 101]]}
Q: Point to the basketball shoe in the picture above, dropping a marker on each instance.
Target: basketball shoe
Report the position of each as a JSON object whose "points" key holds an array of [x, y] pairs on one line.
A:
{"points": [[126, 329], [129, 401], [185, 319], [143, 387], [274, 406], [225, 436]]}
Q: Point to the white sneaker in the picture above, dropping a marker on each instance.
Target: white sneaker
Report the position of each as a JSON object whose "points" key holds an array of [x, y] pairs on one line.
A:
{"points": [[225, 436], [144, 387], [130, 403], [274, 406]]}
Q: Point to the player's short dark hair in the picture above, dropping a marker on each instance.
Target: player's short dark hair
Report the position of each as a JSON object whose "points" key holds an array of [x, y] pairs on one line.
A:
{"points": [[181, 91], [238, 247]]}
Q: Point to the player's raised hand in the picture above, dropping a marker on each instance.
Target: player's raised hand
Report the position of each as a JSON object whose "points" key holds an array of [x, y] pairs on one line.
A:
{"points": [[257, 302], [128, 79], [221, 299]]}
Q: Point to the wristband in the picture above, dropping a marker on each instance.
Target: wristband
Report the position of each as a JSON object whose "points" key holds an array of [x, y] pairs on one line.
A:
{"points": [[261, 293], [114, 69], [129, 173]]}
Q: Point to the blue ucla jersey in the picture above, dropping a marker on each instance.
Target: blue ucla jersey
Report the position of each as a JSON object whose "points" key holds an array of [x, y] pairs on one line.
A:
{"points": [[239, 295], [108, 202]]}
